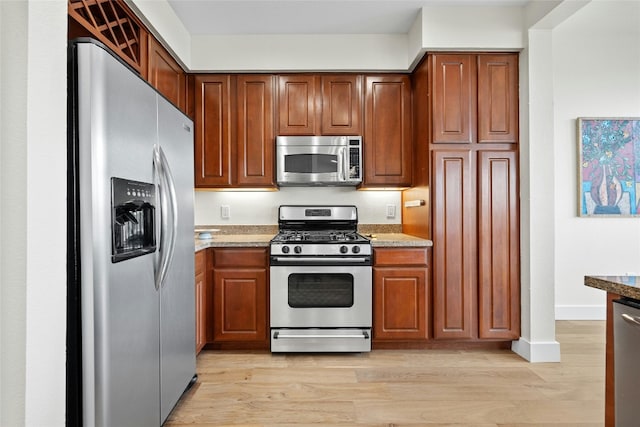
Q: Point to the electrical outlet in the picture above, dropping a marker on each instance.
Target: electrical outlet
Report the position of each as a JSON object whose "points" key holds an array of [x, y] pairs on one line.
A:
{"points": [[225, 212], [391, 211]]}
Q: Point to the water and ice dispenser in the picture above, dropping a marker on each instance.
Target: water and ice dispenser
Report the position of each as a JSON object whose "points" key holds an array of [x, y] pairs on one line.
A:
{"points": [[132, 218]]}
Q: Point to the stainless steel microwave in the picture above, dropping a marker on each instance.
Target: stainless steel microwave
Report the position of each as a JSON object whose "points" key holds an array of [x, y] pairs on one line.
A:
{"points": [[319, 160]]}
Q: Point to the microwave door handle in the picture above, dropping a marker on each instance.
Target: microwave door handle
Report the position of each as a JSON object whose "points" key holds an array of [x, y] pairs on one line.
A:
{"points": [[345, 164]]}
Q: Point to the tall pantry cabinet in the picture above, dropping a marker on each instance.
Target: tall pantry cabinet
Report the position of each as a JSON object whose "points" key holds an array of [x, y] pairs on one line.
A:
{"points": [[473, 151]]}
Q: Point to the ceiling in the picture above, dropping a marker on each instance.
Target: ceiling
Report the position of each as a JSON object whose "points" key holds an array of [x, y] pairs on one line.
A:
{"points": [[220, 17]]}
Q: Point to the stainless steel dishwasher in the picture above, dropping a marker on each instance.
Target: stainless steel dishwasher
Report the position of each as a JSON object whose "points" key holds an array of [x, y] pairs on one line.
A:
{"points": [[626, 339]]}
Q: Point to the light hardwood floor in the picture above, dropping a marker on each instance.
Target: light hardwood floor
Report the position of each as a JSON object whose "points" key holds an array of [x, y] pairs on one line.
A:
{"points": [[480, 388]]}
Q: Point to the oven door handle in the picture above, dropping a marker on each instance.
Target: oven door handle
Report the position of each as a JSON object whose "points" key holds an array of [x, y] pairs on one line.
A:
{"points": [[320, 260], [280, 335]]}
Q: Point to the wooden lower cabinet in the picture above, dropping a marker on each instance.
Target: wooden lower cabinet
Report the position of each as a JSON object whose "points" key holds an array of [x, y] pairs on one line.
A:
{"points": [[609, 379], [476, 269], [240, 298], [400, 295], [201, 287], [454, 225], [498, 245]]}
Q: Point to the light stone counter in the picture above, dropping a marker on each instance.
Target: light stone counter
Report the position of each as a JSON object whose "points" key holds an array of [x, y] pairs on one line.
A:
{"points": [[220, 240], [397, 240], [234, 240]]}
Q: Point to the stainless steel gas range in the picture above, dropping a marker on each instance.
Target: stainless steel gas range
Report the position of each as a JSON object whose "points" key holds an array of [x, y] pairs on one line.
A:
{"points": [[320, 281]]}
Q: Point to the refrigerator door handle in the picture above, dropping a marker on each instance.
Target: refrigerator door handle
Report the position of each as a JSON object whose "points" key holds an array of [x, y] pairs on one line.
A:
{"points": [[168, 209]]}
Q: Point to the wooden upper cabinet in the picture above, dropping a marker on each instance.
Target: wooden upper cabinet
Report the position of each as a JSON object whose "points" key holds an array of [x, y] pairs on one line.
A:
{"points": [[498, 98], [320, 104], [297, 108], [341, 104], [498, 249], [113, 23], [166, 75], [255, 137], [234, 140], [475, 98], [212, 137], [454, 93], [387, 142]]}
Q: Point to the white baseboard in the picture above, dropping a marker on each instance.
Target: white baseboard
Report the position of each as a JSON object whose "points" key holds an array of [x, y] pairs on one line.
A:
{"points": [[581, 312], [537, 352]]}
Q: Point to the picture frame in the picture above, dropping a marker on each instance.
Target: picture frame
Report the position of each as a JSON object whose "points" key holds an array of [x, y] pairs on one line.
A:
{"points": [[609, 166]]}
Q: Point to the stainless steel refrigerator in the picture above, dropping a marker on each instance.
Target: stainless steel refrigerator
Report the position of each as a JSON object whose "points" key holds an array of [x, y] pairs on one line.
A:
{"points": [[131, 297]]}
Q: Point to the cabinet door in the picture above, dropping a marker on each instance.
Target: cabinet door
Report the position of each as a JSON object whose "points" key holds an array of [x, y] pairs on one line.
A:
{"points": [[498, 245], [201, 314], [166, 75], [240, 305], [454, 245], [341, 104], [255, 138], [240, 296], [400, 303], [213, 138], [388, 143], [297, 109], [498, 98], [208, 296], [454, 98]]}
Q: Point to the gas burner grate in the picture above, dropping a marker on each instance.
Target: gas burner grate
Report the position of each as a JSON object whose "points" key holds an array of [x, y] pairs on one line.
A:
{"points": [[318, 236]]}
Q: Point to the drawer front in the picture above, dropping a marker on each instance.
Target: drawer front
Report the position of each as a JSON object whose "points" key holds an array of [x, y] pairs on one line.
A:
{"points": [[240, 257], [400, 256]]}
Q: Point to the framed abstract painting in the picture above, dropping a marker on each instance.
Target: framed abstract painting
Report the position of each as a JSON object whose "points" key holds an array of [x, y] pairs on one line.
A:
{"points": [[609, 166]]}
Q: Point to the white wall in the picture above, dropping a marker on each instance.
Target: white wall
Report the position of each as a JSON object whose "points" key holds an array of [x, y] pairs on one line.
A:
{"points": [[435, 28], [304, 52], [472, 28], [596, 73], [33, 95], [166, 27]]}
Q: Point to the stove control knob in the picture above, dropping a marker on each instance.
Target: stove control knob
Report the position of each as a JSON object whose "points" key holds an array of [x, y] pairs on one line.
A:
{"points": [[285, 249], [297, 249], [355, 249], [344, 249]]}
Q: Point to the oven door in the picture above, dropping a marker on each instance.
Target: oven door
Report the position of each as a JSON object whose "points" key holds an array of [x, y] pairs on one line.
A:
{"points": [[320, 296], [321, 308]]}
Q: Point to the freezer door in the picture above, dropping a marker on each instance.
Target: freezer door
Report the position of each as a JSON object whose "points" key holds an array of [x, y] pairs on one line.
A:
{"points": [[177, 301], [120, 305]]}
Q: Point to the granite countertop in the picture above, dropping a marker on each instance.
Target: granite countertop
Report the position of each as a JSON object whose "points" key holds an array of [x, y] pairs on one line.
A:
{"points": [[396, 240], [260, 236], [231, 240], [626, 286]]}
